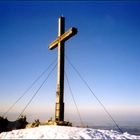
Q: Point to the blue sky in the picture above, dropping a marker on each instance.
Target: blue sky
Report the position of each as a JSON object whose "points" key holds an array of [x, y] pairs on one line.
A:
{"points": [[105, 51]]}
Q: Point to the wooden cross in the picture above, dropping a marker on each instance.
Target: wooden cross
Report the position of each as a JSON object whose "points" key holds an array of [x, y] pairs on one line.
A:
{"points": [[60, 42]]}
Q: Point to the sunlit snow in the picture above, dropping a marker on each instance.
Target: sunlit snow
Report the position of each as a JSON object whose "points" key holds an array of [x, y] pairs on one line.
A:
{"points": [[64, 132]]}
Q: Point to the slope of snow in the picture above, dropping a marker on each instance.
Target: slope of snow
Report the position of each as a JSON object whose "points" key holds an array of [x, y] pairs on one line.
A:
{"points": [[64, 132]]}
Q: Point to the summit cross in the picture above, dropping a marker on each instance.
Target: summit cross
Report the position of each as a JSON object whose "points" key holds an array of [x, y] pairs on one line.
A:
{"points": [[60, 43]]}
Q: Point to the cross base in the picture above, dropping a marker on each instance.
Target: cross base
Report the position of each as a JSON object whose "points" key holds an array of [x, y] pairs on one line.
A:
{"points": [[61, 123]]}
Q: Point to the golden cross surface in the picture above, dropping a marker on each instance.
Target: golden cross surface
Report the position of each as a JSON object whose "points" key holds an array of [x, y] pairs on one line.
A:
{"points": [[60, 44], [64, 37]]}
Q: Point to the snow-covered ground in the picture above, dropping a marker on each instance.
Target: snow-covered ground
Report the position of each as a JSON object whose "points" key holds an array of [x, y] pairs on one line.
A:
{"points": [[64, 132]]}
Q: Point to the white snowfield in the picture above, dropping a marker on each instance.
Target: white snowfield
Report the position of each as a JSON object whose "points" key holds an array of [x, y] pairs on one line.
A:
{"points": [[64, 132]]}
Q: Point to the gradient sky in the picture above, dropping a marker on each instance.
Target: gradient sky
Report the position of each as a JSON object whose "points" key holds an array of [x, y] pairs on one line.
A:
{"points": [[106, 51]]}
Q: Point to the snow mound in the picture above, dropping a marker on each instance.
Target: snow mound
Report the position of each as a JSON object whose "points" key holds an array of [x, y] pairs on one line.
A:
{"points": [[65, 132]]}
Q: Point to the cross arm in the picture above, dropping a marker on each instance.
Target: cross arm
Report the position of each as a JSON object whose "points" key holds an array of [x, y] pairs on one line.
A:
{"points": [[71, 32]]}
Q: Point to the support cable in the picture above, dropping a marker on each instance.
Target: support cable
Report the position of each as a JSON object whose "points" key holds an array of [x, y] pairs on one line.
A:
{"points": [[82, 124], [37, 91], [94, 95], [33, 83]]}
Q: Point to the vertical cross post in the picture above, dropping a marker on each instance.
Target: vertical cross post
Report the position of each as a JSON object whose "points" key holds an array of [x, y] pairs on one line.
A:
{"points": [[59, 110]]}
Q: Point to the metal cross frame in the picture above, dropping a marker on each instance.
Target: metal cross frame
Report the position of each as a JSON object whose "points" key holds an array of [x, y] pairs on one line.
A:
{"points": [[60, 43]]}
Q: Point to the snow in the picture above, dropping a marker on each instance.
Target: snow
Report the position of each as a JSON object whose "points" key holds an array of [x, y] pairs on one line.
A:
{"points": [[64, 132]]}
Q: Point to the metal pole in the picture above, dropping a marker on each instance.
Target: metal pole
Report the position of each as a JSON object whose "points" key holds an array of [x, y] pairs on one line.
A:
{"points": [[59, 110]]}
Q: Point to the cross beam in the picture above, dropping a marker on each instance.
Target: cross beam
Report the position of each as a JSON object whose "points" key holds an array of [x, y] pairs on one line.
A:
{"points": [[64, 37], [60, 43]]}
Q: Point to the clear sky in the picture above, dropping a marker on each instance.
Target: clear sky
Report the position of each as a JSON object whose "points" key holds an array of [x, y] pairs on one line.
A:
{"points": [[106, 51]]}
